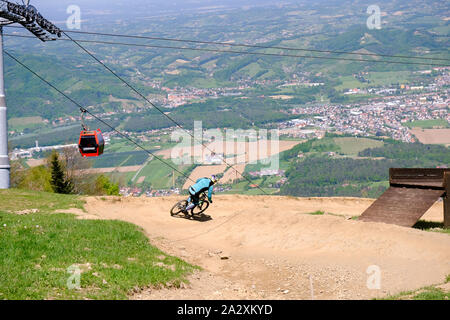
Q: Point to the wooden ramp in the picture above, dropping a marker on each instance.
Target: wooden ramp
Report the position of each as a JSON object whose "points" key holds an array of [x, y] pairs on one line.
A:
{"points": [[411, 194], [401, 206]]}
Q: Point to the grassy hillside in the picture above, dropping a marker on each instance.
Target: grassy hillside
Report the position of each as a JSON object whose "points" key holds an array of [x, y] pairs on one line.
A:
{"points": [[41, 248]]}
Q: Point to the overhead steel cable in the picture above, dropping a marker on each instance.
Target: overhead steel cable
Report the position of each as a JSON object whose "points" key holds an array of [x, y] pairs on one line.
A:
{"points": [[254, 46], [153, 105], [245, 52], [94, 116]]}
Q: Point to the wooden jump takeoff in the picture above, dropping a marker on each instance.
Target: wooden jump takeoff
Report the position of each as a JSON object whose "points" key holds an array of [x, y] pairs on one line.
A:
{"points": [[411, 193]]}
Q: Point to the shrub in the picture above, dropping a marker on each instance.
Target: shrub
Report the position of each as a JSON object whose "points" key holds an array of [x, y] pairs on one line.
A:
{"points": [[105, 186]]}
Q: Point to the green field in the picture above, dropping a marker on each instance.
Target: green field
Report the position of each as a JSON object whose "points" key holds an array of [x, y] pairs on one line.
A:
{"points": [[122, 145], [376, 79], [24, 121], [30, 123], [41, 251], [121, 178], [283, 165], [352, 146], [159, 175], [121, 159], [346, 146], [119, 145], [243, 187], [252, 69], [427, 124]]}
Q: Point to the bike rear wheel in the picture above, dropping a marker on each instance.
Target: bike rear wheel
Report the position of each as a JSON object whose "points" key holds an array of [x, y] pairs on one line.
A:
{"points": [[180, 206], [200, 208]]}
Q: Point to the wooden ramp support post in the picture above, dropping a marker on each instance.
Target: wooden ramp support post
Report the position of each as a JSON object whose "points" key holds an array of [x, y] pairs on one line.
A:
{"points": [[411, 193], [447, 200]]}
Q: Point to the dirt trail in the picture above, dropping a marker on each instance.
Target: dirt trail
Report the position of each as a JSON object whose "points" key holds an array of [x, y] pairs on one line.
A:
{"points": [[258, 247]]}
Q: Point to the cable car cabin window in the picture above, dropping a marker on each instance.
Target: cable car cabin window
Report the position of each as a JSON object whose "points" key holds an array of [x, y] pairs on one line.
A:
{"points": [[88, 144]]}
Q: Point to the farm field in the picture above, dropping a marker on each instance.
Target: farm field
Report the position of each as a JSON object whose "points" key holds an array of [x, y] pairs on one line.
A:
{"points": [[243, 151], [159, 175], [119, 159], [352, 146], [432, 136], [428, 124], [376, 79]]}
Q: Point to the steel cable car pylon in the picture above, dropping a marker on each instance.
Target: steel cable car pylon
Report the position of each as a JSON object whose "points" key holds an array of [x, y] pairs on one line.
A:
{"points": [[91, 143]]}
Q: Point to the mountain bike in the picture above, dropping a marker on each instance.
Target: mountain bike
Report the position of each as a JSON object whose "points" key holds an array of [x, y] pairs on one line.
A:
{"points": [[180, 206]]}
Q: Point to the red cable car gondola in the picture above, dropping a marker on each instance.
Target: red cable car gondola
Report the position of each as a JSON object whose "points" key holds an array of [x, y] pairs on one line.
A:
{"points": [[91, 143]]}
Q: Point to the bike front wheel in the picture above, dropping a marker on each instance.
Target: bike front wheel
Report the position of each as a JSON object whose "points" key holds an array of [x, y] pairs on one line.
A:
{"points": [[200, 208]]}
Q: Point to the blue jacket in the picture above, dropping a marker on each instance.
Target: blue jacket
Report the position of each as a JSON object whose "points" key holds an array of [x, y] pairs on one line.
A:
{"points": [[202, 185]]}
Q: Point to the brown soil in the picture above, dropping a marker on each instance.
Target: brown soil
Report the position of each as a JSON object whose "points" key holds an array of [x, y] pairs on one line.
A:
{"points": [[258, 247], [432, 136]]}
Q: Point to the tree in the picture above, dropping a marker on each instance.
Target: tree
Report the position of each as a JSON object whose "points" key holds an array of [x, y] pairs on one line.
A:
{"points": [[36, 178], [16, 173], [77, 170], [59, 182], [105, 186]]}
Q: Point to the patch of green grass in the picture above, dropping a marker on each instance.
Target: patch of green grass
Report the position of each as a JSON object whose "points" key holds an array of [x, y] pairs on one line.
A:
{"points": [[119, 145], [427, 293], [38, 251], [113, 256], [427, 124], [14, 200], [24, 121], [121, 177], [19, 124], [352, 146], [283, 164], [389, 77], [206, 83], [350, 82], [317, 213], [325, 145], [376, 79], [252, 69], [432, 293], [159, 175]]}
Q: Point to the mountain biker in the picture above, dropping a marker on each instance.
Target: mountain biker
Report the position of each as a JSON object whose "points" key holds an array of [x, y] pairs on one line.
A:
{"points": [[200, 186]]}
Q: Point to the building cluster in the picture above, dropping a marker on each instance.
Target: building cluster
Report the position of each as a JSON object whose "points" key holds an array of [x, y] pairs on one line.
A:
{"points": [[28, 153], [385, 116], [267, 172], [138, 191], [19, 153], [179, 96]]}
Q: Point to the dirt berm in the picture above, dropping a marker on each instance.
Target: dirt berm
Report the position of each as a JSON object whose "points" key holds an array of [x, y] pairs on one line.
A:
{"points": [[258, 247]]}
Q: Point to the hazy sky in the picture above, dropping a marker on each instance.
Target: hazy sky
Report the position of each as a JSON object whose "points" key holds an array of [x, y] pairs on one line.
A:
{"points": [[115, 5], [56, 10]]}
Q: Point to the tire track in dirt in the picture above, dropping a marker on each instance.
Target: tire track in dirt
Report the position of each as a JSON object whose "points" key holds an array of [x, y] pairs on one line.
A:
{"points": [[268, 247]]}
